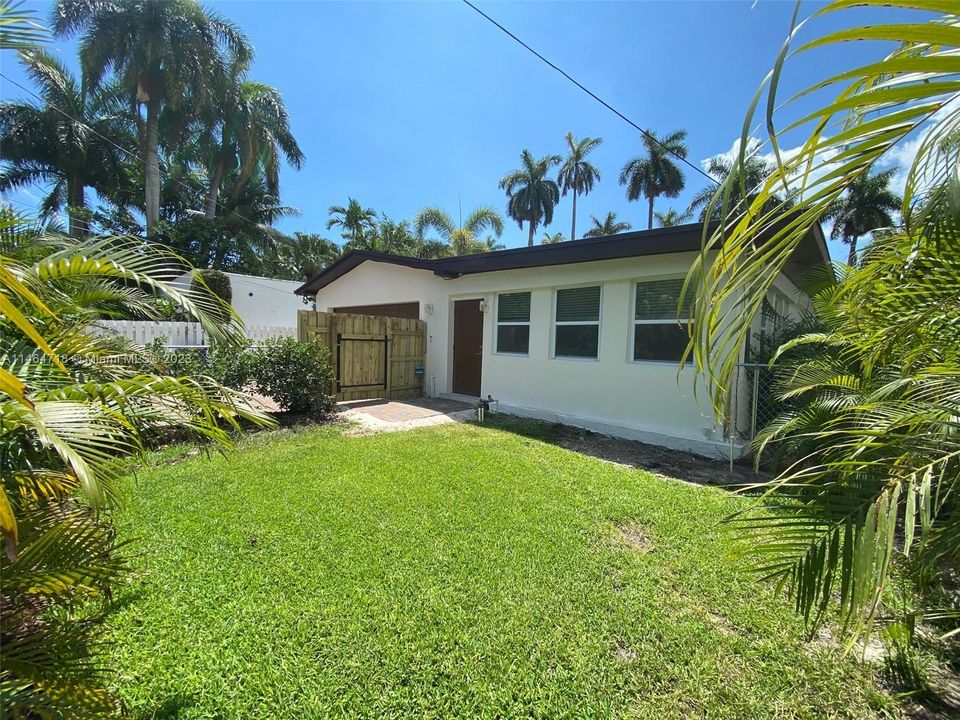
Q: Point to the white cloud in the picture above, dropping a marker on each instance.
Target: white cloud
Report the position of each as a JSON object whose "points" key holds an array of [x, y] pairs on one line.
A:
{"points": [[753, 143], [755, 146], [902, 155]]}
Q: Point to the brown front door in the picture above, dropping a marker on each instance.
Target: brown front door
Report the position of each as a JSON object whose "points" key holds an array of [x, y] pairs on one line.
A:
{"points": [[467, 347]]}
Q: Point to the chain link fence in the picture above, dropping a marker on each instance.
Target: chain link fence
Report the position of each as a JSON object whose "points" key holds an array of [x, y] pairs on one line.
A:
{"points": [[755, 401]]}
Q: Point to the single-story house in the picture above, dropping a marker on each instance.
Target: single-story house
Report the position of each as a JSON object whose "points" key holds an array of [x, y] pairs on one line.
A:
{"points": [[583, 332]]}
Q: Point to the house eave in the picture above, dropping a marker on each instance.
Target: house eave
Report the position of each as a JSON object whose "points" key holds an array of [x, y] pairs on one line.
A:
{"points": [[658, 241]]}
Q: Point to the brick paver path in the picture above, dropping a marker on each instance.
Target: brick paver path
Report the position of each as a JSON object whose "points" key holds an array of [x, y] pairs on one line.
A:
{"points": [[393, 415]]}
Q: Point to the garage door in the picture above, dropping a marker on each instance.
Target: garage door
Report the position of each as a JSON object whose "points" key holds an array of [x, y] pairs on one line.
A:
{"points": [[398, 310]]}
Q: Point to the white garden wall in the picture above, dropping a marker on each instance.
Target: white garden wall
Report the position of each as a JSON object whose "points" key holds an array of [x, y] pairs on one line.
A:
{"points": [[265, 301], [260, 301]]}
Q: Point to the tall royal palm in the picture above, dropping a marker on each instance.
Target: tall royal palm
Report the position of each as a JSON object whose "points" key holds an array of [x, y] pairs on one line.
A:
{"points": [[247, 124], [609, 226], [164, 54], [866, 206], [531, 195], [465, 238], [577, 174], [353, 220], [68, 143], [656, 172]]}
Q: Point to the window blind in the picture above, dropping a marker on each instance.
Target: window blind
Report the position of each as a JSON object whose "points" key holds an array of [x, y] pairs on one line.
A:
{"points": [[578, 304], [658, 299], [513, 307]]}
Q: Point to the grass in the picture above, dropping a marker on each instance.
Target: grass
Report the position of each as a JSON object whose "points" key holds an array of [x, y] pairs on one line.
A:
{"points": [[452, 571]]}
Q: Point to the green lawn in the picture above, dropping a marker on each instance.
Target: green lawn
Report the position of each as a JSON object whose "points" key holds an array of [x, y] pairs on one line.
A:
{"points": [[456, 571]]}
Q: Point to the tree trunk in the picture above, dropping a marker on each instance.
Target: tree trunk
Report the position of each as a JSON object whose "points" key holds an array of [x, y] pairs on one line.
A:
{"points": [[151, 165], [573, 223], [75, 199], [213, 192], [533, 229], [852, 256], [650, 214]]}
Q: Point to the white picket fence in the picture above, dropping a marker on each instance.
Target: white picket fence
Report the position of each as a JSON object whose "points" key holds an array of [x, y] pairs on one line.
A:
{"points": [[181, 334]]}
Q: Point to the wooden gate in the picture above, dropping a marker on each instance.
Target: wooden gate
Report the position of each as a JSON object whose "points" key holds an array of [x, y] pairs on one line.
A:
{"points": [[372, 357]]}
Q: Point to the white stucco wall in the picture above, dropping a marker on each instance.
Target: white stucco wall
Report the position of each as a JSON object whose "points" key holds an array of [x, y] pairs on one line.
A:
{"points": [[649, 401], [262, 301], [265, 301]]}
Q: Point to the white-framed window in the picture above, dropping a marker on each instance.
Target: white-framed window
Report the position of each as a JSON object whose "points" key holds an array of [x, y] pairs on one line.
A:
{"points": [[576, 325], [658, 334], [513, 323], [774, 310]]}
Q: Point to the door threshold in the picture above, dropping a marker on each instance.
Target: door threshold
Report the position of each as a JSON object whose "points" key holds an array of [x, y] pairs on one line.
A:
{"points": [[460, 397]]}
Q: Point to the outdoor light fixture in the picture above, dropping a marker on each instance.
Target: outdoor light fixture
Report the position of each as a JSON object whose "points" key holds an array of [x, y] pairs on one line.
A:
{"points": [[428, 308]]}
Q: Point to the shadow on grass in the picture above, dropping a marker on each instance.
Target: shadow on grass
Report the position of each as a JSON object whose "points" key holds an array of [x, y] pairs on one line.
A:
{"points": [[631, 453], [171, 708]]}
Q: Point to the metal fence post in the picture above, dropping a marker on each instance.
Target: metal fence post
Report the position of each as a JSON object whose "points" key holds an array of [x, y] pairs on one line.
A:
{"points": [[734, 411]]}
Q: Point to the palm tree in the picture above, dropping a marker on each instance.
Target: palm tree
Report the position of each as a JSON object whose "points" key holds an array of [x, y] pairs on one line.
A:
{"points": [[76, 406], [871, 484], [241, 239], [672, 218], [69, 142], [531, 195], [866, 206], [248, 215], [247, 126], [577, 174], [354, 220], [432, 249], [389, 236], [463, 240], [166, 55], [655, 173], [18, 29], [549, 239], [609, 226], [751, 175], [304, 255]]}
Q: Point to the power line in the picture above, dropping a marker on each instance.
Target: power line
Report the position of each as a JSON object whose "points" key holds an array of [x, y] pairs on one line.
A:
{"points": [[125, 151], [589, 92]]}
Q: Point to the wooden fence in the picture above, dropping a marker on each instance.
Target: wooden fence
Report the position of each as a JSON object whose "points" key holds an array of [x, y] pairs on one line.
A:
{"points": [[372, 357], [180, 334]]}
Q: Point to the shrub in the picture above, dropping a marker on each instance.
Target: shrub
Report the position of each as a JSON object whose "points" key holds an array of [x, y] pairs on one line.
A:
{"points": [[230, 366], [297, 375], [181, 362], [217, 282]]}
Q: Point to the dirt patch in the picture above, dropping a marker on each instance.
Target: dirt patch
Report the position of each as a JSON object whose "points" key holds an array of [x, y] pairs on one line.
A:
{"points": [[870, 651], [721, 624], [623, 653], [636, 537], [676, 464]]}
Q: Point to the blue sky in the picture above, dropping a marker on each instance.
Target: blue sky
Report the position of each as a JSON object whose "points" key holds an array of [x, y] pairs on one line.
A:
{"points": [[404, 105]]}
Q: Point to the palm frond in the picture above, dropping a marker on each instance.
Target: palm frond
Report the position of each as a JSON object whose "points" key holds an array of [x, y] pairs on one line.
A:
{"points": [[870, 417]]}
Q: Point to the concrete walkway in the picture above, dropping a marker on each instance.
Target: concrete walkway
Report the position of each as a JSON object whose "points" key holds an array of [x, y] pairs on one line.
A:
{"points": [[392, 415]]}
